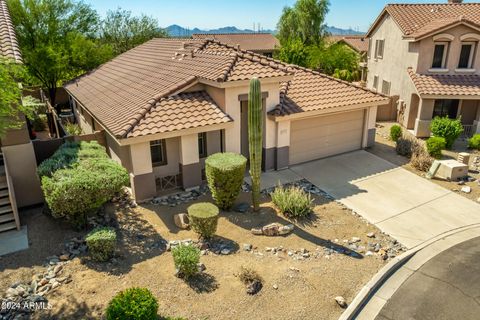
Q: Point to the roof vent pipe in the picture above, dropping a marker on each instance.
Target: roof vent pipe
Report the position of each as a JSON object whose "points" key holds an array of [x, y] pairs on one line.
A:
{"points": [[455, 1]]}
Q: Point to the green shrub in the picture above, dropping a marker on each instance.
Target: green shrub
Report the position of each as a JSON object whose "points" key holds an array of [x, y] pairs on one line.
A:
{"points": [[203, 218], [225, 172], [78, 179], [39, 123], [186, 259], [447, 128], [395, 132], [73, 129], [69, 154], [407, 146], [101, 243], [435, 145], [133, 304], [474, 142], [293, 202]]}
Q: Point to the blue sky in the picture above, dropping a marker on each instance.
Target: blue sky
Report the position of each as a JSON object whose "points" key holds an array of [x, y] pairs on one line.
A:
{"points": [[209, 14]]}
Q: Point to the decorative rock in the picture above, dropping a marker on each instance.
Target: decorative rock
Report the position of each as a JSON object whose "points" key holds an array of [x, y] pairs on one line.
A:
{"points": [[371, 235], [466, 189], [274, 229], [369, 253], [181, 220], [64, 257], [57, 269], [247, 247], [257, 231], [241, 207], [201, 267], [225, 252], [355, 239], [341, 302]]}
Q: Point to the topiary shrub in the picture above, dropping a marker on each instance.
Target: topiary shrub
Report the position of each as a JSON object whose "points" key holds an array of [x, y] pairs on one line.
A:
{"points": [[474, 142], [101, 243], [225, 172], [395, 132], [203, 218], [435, 145], [133, 304], [447, 128], [293, 201], [78, 179], [186, 259]]}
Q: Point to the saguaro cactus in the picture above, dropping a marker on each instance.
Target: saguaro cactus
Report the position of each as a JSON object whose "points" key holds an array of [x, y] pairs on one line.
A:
{"points": [[255, 130]]}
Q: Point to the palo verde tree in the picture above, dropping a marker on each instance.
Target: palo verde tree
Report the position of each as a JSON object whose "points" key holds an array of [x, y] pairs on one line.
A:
{"points": [[57, 39], [123, 31], [255, 131]]}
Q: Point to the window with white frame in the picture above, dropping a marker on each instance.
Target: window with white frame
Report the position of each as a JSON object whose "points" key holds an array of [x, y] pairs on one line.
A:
{"points": [[379, 48], [375, 82], [467, 53], [440, 55], [158, 152]]}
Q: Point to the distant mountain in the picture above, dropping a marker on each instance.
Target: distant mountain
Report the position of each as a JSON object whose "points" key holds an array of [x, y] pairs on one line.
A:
{"points": [[177, 31], [338, 31]]}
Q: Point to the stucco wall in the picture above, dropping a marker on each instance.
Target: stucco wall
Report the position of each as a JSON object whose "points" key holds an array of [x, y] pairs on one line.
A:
{"points": [[398, 56], [22, 167], [426, 49], [121, 154]]}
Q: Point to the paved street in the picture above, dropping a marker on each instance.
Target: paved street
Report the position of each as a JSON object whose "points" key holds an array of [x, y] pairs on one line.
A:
{"points": [[446, 287]]}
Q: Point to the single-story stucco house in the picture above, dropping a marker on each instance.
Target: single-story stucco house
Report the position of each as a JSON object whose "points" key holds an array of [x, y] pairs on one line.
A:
{"points": [[169, 103]]}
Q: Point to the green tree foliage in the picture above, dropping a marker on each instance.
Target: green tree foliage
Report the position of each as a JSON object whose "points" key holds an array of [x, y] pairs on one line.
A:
{"points": [[57, 39], [10, 96], [304, 21], [302, 32], [123, 31]]}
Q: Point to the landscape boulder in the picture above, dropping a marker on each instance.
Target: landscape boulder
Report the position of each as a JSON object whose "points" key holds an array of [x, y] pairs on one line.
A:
{"points": [[273, 229], [181, 220]]}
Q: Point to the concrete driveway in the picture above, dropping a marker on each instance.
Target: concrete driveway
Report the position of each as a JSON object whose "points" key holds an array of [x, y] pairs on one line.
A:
{"points": [[408, 207]]}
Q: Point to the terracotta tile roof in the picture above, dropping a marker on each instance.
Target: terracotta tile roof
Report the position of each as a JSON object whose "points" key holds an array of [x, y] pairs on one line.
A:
{"points": [[310, 90], [356, 42], [445, 84], [258, 42], [9, 47], [414, 17], [180, 111], [122, 93]]}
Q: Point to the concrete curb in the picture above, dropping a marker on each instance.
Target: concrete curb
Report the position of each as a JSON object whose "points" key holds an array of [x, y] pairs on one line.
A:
{"points": [[367, 292]]}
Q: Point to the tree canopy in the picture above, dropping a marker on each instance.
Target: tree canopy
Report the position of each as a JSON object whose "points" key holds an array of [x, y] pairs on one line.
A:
{"points": [[124, 31], [10, 96], [57, 39], [303, 37], [304, 22]]}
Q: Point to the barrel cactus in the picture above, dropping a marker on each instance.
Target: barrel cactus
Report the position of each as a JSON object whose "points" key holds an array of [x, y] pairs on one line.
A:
{"points": [[255, 131]]}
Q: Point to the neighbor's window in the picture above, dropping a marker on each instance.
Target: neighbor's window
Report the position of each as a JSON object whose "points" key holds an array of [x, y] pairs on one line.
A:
{"points": [[466, 55], [158, 151], [375, 82], [386, 87], [379, 47], [202, 145], [445, 108], [440, 55]]}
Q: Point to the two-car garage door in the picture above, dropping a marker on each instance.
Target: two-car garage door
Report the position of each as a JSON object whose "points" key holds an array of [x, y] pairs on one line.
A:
{"points": [[324, 136]]}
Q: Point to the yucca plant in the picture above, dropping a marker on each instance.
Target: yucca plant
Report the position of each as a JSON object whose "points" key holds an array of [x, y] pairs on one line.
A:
{"points": [[255, 130]]}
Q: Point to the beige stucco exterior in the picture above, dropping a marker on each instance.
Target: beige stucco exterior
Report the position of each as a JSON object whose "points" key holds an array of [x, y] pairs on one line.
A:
{"points": [[184, 165], [415, 111]]}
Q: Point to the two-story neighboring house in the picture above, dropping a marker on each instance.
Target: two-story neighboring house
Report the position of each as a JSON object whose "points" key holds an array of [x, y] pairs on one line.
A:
{"points": [[427, 56]]}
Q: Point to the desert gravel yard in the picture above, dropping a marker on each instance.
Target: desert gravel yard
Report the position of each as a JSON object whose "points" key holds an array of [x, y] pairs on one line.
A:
{"points": [[332, 254]]}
